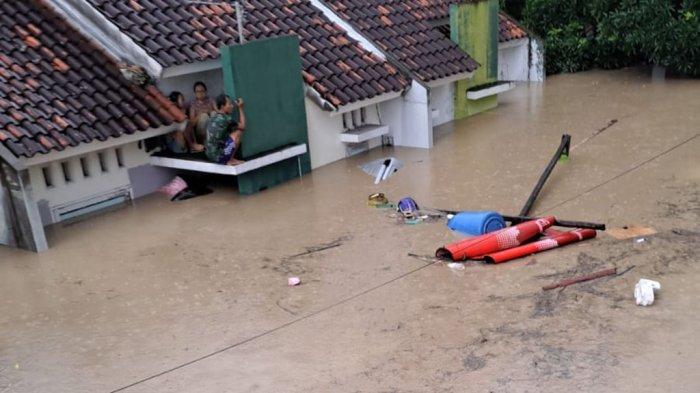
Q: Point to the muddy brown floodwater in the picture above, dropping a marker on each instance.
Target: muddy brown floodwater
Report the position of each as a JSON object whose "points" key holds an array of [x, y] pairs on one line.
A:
{"points": [[192, 297]]}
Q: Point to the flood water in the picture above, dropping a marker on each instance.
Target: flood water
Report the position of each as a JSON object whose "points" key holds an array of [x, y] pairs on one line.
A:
{"points": [[193, 296]]}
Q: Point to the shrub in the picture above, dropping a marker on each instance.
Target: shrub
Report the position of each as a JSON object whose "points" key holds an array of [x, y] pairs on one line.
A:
{"points": [[567, 49], [615, 33]]}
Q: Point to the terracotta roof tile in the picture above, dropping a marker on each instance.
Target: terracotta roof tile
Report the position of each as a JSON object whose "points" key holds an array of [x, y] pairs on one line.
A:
{"points": [[58, 89], [176, 32], [508, 28], [402, 31], [405, 30]]}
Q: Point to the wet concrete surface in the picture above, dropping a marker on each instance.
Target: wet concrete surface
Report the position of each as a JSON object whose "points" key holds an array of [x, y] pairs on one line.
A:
{"points": [[192, 297]]}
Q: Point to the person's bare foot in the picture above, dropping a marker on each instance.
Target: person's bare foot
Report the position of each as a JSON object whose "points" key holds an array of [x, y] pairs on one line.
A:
{"points": [[234, 162], [196, 148]]}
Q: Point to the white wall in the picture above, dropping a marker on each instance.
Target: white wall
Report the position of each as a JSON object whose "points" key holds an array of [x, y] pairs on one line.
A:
{"points": [[513, 60], [392, 115], [442, 104], [324, 135], [214, 79], [417, 128], [83, 188], [537, 73]]}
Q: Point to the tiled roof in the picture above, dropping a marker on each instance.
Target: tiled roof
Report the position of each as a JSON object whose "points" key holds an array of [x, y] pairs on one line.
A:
{"points": [[176, 32], [58, 89], [508, 28], [401, 29]]}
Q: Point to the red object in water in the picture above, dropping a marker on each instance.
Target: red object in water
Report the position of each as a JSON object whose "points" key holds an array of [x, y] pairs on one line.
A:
{"points": [[496, 241], [559, 240]]}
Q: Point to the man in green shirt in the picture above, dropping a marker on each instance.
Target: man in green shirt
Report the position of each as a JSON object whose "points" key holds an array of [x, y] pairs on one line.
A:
{"points": [[223, 133]]}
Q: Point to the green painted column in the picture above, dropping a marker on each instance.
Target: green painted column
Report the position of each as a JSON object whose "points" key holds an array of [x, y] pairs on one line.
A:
{"points": [[474, 27]]}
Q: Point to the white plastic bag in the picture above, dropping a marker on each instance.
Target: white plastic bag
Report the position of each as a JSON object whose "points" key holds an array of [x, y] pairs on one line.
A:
{"points": [[644, 292]]}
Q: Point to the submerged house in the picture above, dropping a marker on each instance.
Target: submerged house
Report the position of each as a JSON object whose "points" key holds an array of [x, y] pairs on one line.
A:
{"points": [[70, 125], [178, 42], [374, 72]]}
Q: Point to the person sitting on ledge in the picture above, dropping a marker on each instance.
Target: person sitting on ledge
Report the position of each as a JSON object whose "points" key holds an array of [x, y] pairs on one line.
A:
{"points": [[177, 142], [223, 133], [198, 113]]}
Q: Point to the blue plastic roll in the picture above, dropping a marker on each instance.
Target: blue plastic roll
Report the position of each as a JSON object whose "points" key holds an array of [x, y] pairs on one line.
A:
{"points": [[476, 223]]}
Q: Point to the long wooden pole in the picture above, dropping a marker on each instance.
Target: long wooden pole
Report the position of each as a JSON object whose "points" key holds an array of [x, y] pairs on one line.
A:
{"points": [[576, 280]]}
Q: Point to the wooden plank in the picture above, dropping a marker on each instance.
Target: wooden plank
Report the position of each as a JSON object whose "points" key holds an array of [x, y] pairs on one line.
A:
{"points": [[210, 167], [630, 231]]}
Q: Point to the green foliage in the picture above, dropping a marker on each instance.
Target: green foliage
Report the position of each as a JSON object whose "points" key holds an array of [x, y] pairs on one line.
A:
{"points": [[616, 33], [659, 31], [513, 8], [541, 16], [567, 49]]}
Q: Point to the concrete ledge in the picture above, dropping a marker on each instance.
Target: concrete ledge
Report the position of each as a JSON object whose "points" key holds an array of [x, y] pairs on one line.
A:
{"points": [[490, 91], [209, 167], [364, 133]]}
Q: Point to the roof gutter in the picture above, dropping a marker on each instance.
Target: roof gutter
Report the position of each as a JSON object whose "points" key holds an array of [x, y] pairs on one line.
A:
{"points": [[12, 160], [448, 79], [93, 24], [318, 99]]}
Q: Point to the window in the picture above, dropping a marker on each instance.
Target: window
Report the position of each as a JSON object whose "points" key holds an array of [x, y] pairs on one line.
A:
{"points": [[120, 157], [103, 161], [66, 169], [48, 180], [85, 167]]}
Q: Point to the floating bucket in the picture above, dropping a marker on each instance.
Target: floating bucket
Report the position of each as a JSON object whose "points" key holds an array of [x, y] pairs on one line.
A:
{"points": [[476, 222]]}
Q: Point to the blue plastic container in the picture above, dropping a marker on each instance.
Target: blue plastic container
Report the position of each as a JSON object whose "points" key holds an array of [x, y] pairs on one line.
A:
{"points": [[476, 223]]}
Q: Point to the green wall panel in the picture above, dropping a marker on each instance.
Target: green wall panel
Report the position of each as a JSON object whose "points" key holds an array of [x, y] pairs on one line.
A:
{"points": [[267, 75], [474, 27]]}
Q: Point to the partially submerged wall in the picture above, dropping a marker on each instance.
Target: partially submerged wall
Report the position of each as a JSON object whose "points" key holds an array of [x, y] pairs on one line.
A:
{"points": [[20, 222], [265, 73], [64, 186], [416, 128], [474, 27], [442, 104], [514, 60]]}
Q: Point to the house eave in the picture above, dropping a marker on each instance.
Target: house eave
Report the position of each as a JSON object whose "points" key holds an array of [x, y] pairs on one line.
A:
{"points": [[92, 23], [16, 163], [85, 148], [449, 79], [368, 102], [191, 68], [513, 43]]}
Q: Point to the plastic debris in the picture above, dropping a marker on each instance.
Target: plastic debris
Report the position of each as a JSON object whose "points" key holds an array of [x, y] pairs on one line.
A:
{"points": [[377, 199], [293, 281], [175, 187], [408, 207], [456, 266], [476, 222], [644, 292], [640, 240], [503, 239], [382, 168]]}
